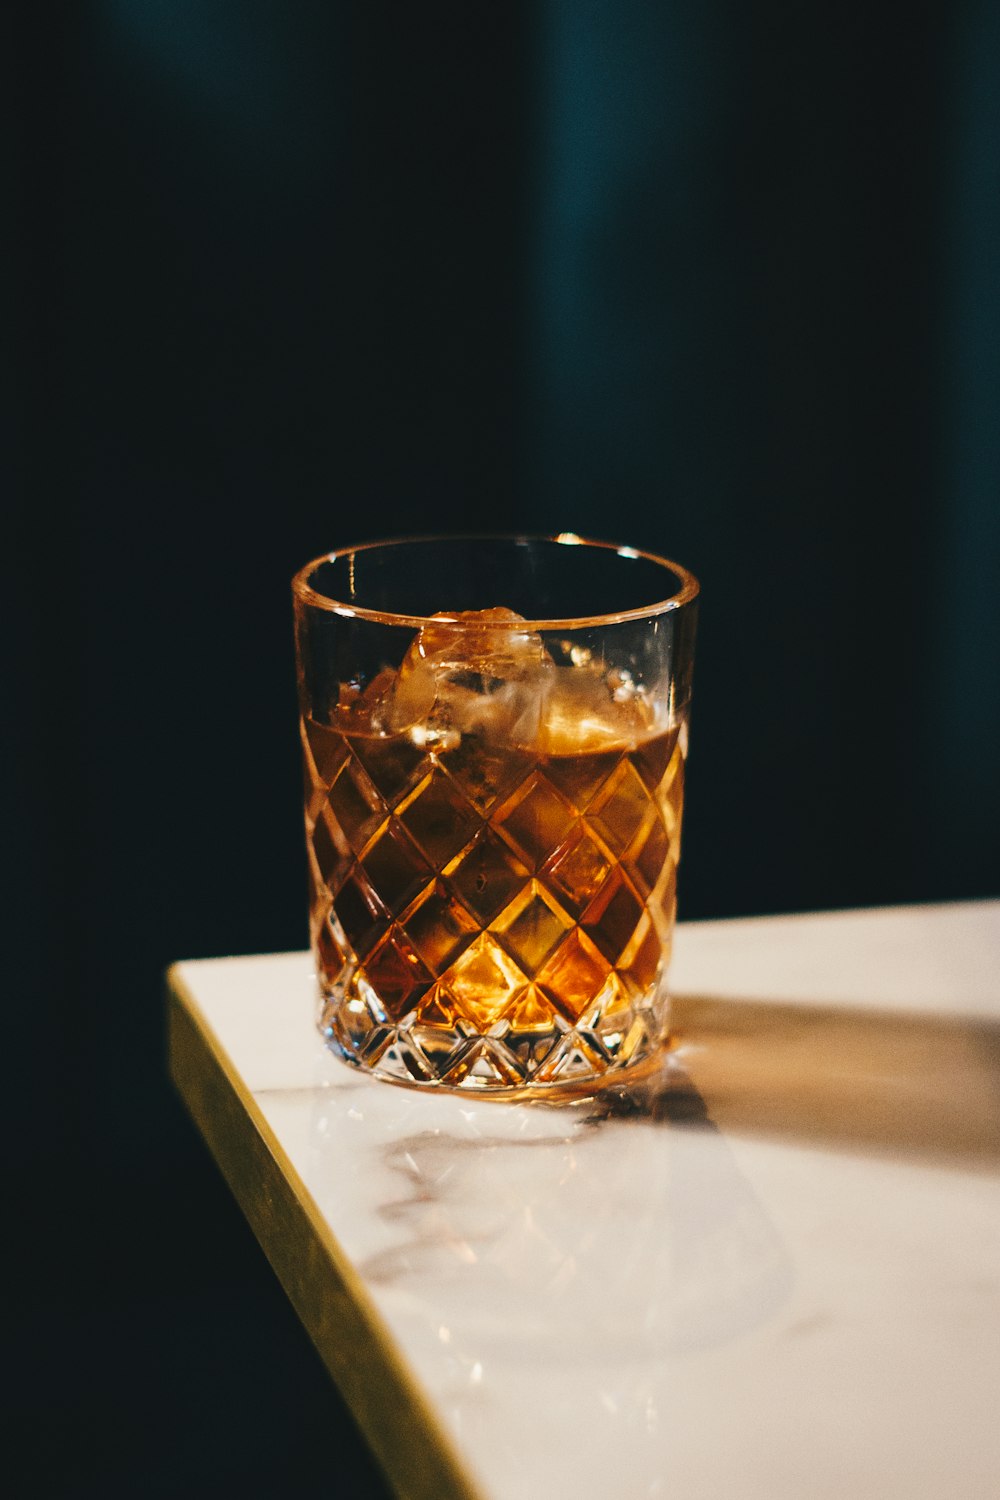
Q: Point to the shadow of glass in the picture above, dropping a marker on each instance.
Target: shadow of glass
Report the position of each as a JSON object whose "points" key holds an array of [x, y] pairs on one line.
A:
{"points": [[874, 1081]]}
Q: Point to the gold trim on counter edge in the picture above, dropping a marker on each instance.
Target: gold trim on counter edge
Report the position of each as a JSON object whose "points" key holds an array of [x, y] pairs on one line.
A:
{"points": [[389, 1405]]}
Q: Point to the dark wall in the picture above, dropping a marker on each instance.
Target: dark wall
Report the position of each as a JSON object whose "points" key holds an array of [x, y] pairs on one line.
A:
{"points": [[717, 280]]}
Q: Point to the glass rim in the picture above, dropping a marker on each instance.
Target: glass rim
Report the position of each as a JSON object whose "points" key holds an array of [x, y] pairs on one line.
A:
{"points": [[303, 590]]}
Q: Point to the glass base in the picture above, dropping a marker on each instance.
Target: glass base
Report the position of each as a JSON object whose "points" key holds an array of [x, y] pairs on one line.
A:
{"points": [[504, 1063]]}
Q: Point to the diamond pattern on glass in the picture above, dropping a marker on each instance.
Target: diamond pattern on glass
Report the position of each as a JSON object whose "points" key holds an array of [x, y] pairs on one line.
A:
{"points": [[438, 819], [620, 808], [325, 751], [392, 764], [646, 855], [640, 963], [377, 1043], [614, 1005], [574, 976], [315, 786], [395, 867], [330, 847], [535, 820], [663, 901], [444, 892], [333, 954], [482, 981], [486, 876], [484, 1063], [438, 927], [319, 894], [574, 1056], [613, 916], [397, 974], [405, 1061], [361, 915], [576, 872], [355, 804], [436, 1039], [670, 798], [652, 759], [579, 776], [672, 784], [348, 1024], [646, 1032], [531, 927], [484, 777], [528, 1010]]}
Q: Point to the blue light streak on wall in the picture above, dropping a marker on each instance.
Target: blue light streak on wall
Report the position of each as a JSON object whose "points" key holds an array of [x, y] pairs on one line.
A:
{"points": [[621, 136], [966, 610]]}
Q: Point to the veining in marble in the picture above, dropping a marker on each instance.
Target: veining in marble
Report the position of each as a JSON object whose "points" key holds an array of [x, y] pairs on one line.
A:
{"points": [[770, 1269]]}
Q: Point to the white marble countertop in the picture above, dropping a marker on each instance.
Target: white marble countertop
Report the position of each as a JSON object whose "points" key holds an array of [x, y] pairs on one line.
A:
{"points": [[770, 1270]]}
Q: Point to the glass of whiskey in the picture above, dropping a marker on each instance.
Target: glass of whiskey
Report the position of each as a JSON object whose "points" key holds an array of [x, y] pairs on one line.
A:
{"points": [[494, 733]]}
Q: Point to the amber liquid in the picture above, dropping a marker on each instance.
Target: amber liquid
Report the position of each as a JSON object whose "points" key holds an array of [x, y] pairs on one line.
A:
{"points": [[514, 894]]}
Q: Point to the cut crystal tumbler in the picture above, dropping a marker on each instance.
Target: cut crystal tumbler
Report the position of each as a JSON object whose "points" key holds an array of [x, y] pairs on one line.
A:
{"points": [[494, 733]]}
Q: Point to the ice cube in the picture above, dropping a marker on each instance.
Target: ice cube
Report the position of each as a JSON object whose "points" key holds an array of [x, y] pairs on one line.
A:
{"points": [[362, 706], [589, 710], [477, 672]]}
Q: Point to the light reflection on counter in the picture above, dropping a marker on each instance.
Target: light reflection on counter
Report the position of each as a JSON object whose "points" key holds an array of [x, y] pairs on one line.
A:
{"points": [[617, 1230]]}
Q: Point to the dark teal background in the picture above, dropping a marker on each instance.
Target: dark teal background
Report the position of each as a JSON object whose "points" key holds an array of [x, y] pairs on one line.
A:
{"points": [[715, 279]]}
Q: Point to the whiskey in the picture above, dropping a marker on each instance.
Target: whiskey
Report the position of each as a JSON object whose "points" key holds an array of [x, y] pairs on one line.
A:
{"points": [[493, 844]]}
